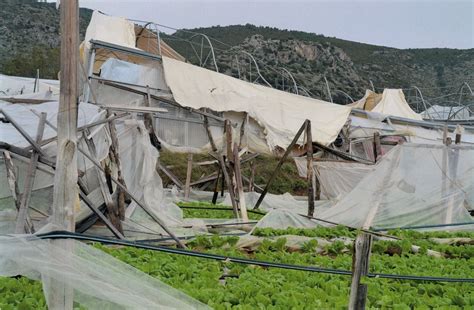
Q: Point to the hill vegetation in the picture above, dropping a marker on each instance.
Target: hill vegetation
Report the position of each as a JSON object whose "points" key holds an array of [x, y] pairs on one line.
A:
{"points": [[29, 40]]}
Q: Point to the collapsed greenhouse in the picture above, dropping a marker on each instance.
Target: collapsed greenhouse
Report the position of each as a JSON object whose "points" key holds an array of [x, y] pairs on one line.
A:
{"points": [[374, 165]]}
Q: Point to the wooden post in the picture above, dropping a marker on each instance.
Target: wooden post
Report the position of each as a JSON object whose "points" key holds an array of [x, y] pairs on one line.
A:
{"points": [[141, 205], [65, 194], [112, 209], [239, 184], [377, 146], [216, 187], [114, 156], [242, 129], [12, 180], [280, 163], [230, 172], [22, 223], [148, 120], [188, 176], [170, 175], [458, 131], [360, 269], [310, 171], [101, 216], [252, 176], [209, 135]]}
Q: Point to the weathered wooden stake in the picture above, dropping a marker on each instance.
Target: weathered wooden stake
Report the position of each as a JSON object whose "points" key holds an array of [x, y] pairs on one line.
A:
{"points": [[377, 146], [239, 184], [187, 187], [115, 158], [148, 120], [280, 163], [11, 178], [360, 269], [310, 171], [141, 205], [23, 224], [65, 194], [252, 176], [112, 208], [216, 187]]}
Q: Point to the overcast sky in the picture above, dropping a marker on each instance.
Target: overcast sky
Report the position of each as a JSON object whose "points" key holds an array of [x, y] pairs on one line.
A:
{"points": [[395, 23]]}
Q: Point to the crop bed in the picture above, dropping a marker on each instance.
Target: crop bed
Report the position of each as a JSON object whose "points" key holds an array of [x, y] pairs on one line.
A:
{"points": [[224, 285]]}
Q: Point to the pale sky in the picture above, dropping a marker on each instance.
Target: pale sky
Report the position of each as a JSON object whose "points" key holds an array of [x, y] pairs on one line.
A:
{"points": [[395, 23]]}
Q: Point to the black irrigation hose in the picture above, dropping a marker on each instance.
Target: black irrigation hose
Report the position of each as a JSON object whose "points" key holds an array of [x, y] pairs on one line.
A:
{"points": [[71, 235], [424, 226]]}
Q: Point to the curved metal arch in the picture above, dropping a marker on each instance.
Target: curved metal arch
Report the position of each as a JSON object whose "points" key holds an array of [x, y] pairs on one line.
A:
{"points": [[306, 91], [424, 103], [256, 66], [463, 108], [461, 91], [327, 88], [345, 94], [372, 84], [292, 79], [211, 47]]}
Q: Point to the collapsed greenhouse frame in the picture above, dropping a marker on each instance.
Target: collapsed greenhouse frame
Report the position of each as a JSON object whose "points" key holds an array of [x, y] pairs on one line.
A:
{"points": [[228, 166]]}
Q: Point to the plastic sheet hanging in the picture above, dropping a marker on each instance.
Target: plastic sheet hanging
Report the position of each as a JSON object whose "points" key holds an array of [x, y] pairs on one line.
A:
{"points": [[412, 185], [98, 280]]}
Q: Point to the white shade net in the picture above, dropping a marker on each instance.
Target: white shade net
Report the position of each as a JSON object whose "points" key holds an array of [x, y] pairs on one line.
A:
{"points": [[412, 185]]}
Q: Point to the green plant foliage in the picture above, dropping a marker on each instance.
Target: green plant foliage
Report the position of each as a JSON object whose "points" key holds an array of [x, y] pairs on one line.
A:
{"points": [[322, 232], [216, 211], [224, 285]]}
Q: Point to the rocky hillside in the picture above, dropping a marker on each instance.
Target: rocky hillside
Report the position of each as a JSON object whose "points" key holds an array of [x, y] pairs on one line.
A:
{"points": [[29, 37], [348, 66], [29, 40]]}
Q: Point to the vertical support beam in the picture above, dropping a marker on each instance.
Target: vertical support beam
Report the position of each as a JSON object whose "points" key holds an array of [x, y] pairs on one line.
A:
{"points": [[377, 146], [114, 156], [23, 224], [209, 135], [188, 176], [310, 170], [239, 184], [90, 69], [252, 176], [216, 186], [242, 129], [148, 120], [11, 178], [230, 158], [360, 269], [112, 209], [65, 194], [280, 163]]}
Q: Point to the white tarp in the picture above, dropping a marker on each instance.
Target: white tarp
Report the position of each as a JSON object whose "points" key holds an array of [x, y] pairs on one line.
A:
{"points": [[412, 185], [281, 114], [111, 29], [393, 103]]}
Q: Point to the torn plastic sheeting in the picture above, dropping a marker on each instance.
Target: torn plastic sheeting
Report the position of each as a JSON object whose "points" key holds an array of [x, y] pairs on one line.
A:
{"points": [[279, 202], [412, 185], [336, 178], [98, 279]]}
